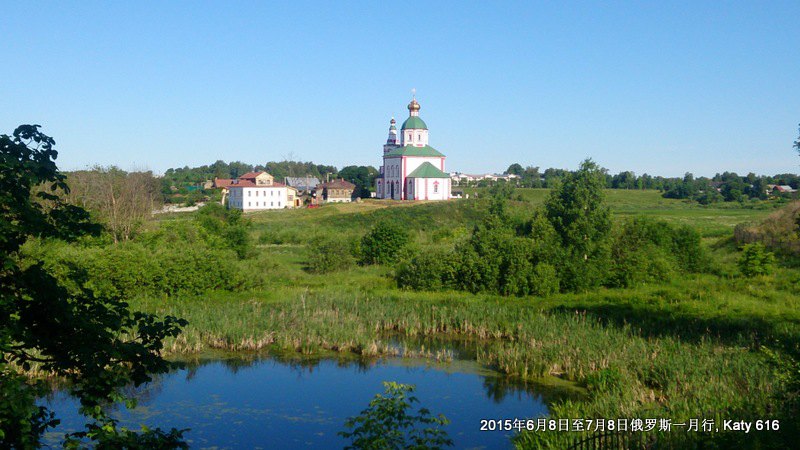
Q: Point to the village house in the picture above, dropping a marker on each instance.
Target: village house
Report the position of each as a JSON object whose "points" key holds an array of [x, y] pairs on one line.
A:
{"points": [[304, 185], [336, 191], [256, 191]]}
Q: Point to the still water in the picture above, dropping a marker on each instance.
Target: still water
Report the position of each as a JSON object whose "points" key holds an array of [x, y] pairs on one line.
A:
{"points": [[275, 404]]}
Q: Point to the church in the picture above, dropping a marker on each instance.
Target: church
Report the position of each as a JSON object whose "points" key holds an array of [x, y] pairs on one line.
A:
{"points": [[412, 169]]}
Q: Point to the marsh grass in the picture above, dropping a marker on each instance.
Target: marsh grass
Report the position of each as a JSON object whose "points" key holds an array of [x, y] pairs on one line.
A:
{"points": [[677, 349]]}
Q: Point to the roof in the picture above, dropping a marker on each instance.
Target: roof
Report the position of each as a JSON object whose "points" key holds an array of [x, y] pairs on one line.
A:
{"points": [[427, 170], [410, 150], [784, 188], [249, 184], [337, 184], [302, 182], [252, 174], [222, 182], [414, 123]]}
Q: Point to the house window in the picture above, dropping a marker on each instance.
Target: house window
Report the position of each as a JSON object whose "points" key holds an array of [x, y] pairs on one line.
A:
{"points": [[279, 203], [249, 193], [249, 204]]}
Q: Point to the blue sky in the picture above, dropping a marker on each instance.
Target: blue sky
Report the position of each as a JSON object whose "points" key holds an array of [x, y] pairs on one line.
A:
{"points": [[662, 88]]}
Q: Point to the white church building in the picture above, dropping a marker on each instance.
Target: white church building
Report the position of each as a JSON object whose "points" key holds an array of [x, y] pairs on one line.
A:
{"points": [[412, 169]]}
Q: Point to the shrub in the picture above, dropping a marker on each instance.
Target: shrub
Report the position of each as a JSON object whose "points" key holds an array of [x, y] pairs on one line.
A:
{"points": [[329, 254], [756, 260], [647, 250], [383, 243], [544, 280], [427, 270], [388, 424], [131, 268]]}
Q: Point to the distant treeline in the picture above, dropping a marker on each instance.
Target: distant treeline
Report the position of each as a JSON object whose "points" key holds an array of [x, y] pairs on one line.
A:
{"points": [[362, 176], [728, 186]]}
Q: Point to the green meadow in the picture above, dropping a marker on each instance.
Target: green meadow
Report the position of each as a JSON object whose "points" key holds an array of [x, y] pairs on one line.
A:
{"points": [[700, 345]]}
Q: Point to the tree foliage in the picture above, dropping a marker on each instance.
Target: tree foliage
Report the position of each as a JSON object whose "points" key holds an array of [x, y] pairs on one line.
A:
{"points": [[578, 212], [389, 423], [98, 344], [362, 176], [121, 201], [383, 243], [756, 260], [797, 142]]}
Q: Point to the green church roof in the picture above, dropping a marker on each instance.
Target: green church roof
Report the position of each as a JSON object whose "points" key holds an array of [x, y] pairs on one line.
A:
{"points": [[414, 123], [427, 170], [410, 150]]}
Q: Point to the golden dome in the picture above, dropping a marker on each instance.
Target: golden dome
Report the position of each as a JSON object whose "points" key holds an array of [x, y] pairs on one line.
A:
{"points": [[413, 106]]}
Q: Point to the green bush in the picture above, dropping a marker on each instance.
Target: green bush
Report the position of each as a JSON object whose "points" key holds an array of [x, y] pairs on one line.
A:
{"points": [[388, 424], [383, 243], [430, 270], [544, 280], [647, 250], [132, 268], [329, 254], [756, 260]]}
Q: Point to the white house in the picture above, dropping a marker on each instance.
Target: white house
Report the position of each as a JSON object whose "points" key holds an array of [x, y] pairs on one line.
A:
{"points": [[412, 169], [256, 191]]}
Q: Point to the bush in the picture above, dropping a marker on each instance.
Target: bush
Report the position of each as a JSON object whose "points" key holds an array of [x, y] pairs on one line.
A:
{"points": [[756, 260], [544, 281], [647, 250], [329, 254], [428, 270], [383, 243], [388, 424], [132, 268]]}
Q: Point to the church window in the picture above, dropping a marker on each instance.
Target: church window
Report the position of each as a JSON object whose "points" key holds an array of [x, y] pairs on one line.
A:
{"points": [[435, 187]]}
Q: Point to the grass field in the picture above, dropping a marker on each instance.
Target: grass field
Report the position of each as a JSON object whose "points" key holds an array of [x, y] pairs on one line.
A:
{"points": [[676, 349]]}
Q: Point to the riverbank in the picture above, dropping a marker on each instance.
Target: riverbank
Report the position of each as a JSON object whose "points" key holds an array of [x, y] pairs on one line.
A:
{"points": [[661, 351]]}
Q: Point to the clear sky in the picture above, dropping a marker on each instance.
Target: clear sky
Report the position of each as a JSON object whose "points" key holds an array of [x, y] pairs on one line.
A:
{"points": [[657, 87]]}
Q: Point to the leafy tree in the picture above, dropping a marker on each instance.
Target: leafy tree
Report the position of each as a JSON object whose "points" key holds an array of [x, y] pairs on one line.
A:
{"points": [[329, 254], [515, 169], [362, 176], [383, 243], [229, 225], [428, 270], [797, 142], [98, 344], [578, 212], [388, 423], [756, 260], [531, 177]]}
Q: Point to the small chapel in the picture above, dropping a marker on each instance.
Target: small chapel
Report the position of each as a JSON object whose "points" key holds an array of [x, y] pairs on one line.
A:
{"points": [[412, 169]]}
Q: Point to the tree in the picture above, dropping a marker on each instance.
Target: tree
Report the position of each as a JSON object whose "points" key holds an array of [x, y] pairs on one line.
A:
{"points": [[756, 260], [362, 176], [515, 169], [123, 201], [578, 212], [383, 243], [98, 344], [388, 424], [797, 142]]}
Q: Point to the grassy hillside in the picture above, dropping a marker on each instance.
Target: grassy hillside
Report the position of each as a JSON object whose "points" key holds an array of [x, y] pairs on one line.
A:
{"points": [[670, 349]]}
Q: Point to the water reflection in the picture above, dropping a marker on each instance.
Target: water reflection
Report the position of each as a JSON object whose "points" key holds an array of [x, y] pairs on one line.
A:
{"points": [[290, 402]]}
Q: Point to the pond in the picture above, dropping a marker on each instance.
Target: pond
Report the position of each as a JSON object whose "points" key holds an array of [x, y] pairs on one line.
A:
{"points": [[264, 402]]}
